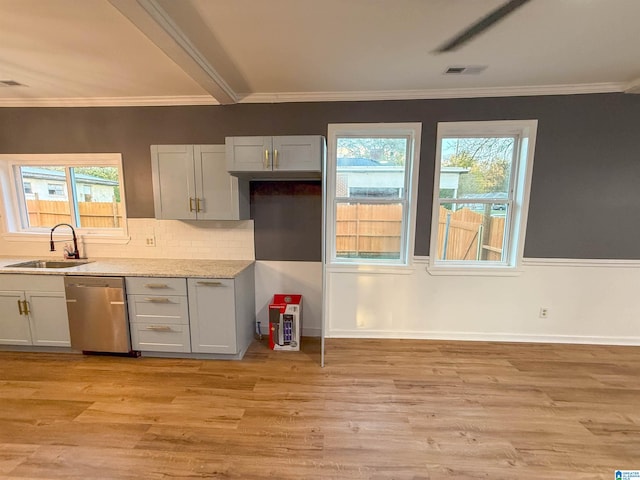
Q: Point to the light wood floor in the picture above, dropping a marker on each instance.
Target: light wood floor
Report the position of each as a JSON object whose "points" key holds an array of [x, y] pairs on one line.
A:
{"points": [[380, 409]]}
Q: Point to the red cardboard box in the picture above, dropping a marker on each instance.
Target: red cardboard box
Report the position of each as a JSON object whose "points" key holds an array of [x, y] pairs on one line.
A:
{"points": [[285, 322]]}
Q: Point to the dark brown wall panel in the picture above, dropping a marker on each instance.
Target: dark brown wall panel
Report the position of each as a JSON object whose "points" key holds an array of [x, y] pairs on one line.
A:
{"points": [[585, 198], [287, 220]]}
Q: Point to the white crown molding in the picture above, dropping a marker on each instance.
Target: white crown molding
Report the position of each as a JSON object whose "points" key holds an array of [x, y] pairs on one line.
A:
{"points": [[585, 88], [109, 101], [319, 96]]}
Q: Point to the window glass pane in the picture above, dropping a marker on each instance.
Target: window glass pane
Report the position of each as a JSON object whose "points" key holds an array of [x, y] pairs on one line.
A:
{"points": [[372, 231], [45, 195], [477, 167], [371, 167], [97, 192], [472, 231]]}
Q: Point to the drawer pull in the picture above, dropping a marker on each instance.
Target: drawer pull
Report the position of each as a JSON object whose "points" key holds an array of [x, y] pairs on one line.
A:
{"points": [[210, 284], [157, 299], [156, 285], [159, 328]]}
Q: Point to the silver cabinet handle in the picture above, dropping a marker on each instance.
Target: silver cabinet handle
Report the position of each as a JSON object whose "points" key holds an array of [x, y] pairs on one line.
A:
{"points": [[157, 300], [159, 328], [210, 284], [156, 285]]}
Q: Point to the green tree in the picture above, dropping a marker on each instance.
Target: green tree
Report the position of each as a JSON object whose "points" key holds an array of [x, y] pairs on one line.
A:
{"points": [[488, 161]]}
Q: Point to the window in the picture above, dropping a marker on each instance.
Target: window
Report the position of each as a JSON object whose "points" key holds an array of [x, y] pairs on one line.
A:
{"points": [[483, 172], [56, 189], [371, 193], [83, 190]]}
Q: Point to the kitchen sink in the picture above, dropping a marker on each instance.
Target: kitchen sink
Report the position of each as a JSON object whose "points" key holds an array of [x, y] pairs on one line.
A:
{"points": [[49, 264]]}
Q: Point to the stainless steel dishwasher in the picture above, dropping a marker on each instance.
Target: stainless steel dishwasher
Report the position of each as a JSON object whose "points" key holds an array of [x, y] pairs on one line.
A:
{"points": [[97, 309]]}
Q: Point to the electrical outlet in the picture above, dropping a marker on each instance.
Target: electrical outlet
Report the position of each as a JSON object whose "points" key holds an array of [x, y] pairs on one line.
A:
{"points": [[151, 241], [544, 312]]}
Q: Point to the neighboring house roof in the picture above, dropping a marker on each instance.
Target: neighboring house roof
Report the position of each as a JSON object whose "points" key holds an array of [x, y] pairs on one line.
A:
{"points": [[47, 174], [369, 162], [357, 162]]}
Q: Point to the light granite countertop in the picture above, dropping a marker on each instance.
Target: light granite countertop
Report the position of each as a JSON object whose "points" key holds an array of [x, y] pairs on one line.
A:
{"points": [[136, 267]]}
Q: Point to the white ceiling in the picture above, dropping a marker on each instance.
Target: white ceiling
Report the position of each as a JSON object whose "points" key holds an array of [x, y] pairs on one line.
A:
{"points": [[149, 52]]}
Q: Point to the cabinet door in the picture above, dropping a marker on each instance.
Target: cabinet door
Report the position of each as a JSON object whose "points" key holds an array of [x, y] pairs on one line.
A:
{"points": [[174, 191], [218, 193], [249, 154], [48, 319], [212, 316], [301, 153], [14, 327]]}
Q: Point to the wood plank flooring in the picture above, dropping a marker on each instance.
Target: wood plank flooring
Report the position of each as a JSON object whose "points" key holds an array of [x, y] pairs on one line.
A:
{"points": [[380, 409]]}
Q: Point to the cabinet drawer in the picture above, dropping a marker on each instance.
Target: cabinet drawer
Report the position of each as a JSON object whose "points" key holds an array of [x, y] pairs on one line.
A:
{"points": [[156, 286], [158, 309], [160, 338]]}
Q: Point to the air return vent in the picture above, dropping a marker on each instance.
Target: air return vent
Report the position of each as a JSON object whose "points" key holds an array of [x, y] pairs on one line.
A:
{"points": [[465, 69]]}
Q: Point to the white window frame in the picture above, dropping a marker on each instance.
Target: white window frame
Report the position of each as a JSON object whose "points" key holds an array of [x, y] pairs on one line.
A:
{"points": [[409, 200], [12, 201], [518, 197]]}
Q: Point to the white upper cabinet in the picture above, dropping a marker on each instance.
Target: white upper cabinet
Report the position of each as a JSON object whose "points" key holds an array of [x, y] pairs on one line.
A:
{"points": [[190, 182], [276, 156]]}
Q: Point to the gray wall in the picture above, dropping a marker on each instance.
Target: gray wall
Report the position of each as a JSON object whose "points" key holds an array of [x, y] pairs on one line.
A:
{"points": [[585, 201]]}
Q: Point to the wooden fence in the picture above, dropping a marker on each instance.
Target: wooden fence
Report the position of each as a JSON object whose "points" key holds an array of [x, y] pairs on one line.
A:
{"points": [[46, 213], [368, 230], [469, 235], [375, 231]]}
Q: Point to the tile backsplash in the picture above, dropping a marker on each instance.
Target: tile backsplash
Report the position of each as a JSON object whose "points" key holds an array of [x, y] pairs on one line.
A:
{"points": [[218, 240]]}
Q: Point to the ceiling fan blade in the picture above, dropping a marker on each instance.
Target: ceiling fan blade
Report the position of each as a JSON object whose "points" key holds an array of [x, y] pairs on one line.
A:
{"points": [[481, 25]]}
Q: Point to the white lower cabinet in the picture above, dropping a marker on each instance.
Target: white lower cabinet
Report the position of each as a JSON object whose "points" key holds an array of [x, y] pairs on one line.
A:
{"points": [[213, 319], [34, 311], [222, 313], [197, 315], [158, 314]]}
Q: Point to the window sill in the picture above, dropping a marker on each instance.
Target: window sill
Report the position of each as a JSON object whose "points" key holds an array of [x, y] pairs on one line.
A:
{"points": [[371, 269], [121, 239], [474, 271]]}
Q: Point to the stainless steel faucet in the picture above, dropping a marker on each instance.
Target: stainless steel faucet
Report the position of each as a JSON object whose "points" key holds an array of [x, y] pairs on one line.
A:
{"points": [[76, 252]]}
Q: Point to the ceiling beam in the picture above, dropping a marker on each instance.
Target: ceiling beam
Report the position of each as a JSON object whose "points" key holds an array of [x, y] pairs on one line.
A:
{"points": [[154, 21], [633, 86]]}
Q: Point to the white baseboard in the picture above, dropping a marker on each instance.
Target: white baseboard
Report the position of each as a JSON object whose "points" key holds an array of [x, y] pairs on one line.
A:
{"points": [[488, 337]]}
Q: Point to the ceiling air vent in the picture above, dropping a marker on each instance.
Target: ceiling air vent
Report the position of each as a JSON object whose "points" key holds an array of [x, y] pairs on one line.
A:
{"points": [[465, 70], [10, 83]]}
